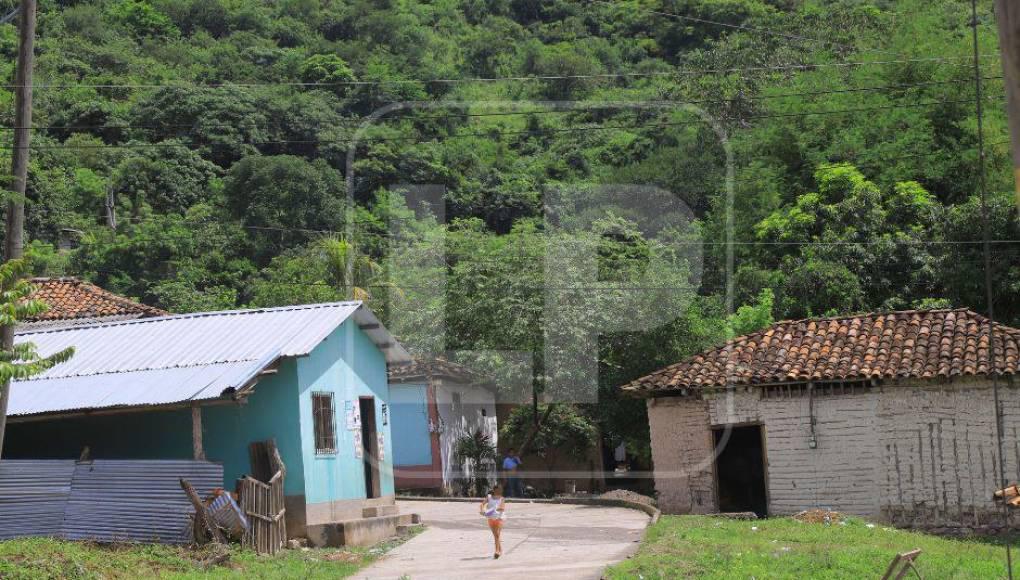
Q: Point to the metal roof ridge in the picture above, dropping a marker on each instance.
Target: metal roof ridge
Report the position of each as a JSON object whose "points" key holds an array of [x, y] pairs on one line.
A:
{"points": [[208, 314]]}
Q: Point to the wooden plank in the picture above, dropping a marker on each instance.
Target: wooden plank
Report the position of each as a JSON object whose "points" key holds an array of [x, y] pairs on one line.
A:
{"points": [[196, 432]]}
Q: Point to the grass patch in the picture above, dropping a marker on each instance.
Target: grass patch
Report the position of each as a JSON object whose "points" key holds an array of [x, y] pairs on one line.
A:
{"points": [[34, 558], [708, 547]]}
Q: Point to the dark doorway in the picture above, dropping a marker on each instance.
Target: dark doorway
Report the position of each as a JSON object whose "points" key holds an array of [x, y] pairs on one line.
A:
{"points": [[740, 471], [370, 446]]}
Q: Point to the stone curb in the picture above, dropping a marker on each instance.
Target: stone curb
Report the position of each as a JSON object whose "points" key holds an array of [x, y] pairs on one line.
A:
{"points": [[652, 511]]}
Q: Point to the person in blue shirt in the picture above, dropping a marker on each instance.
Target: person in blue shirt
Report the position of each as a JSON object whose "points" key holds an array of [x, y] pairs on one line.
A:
{"points": [[510, 464]]}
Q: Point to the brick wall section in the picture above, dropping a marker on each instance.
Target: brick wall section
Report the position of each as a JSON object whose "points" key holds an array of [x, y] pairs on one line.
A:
{"points": [[682, 448], [917, 453]]}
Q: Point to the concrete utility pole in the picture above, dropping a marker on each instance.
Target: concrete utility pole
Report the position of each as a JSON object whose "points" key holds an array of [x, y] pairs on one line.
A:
{"points": [[14, 243], [1007, 14]]}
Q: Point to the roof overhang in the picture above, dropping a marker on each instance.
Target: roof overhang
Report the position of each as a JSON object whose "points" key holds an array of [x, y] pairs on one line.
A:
{"points": [[369, 323]]}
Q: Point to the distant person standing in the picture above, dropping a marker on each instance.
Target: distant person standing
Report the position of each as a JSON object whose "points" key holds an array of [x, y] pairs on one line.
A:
{"points": [[510, 464]]}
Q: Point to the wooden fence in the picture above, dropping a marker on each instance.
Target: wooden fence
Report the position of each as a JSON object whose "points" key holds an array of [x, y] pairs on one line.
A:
{"points": [[262, 501], [262, 504]]}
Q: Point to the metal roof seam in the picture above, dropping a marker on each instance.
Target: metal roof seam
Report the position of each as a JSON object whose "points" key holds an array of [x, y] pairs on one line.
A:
{"points": [[138, 370]]}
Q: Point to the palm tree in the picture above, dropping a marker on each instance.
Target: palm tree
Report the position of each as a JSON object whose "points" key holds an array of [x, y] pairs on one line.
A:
{"points": [[349, 271]]}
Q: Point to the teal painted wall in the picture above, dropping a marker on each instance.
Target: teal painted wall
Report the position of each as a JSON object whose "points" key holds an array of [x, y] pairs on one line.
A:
{"points": [[270, 413], [350, 366], [412, 444]]}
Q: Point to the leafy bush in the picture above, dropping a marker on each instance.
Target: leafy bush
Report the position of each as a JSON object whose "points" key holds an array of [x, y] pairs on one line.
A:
{"points": [[475, 449]]}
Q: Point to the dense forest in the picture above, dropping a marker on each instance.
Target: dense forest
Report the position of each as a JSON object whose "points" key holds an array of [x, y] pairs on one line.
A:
{"points": [[213, 154]]}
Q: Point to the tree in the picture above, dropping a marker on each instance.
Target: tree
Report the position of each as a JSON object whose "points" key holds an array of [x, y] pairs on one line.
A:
{"points": [[849, 245], [349, 271], [141, 19], [170, 179], [329, 70], [563, 431], [289, 198], [16, 305]]}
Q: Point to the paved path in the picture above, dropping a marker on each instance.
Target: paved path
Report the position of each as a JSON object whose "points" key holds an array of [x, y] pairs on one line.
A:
{"points": [[539, 541]]}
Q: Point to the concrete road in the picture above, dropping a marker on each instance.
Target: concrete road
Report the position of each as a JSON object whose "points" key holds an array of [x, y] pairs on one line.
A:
{"points": [[539, 541]]}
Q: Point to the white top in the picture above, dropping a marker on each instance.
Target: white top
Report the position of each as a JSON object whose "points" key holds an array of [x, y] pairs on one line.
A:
{"points": [[492, 508]]}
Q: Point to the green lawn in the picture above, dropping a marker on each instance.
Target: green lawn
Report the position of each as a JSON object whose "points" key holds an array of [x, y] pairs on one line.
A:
{"points": [[47, 558], [708, 547]]}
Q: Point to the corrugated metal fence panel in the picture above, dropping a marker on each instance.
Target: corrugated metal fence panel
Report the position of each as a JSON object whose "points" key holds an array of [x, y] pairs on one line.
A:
{"points": [[33, 496], [135, 500]]}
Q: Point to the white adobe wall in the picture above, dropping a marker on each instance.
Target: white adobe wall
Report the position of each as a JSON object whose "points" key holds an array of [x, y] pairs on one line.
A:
{"points": [[914, 453], [456, 424]]}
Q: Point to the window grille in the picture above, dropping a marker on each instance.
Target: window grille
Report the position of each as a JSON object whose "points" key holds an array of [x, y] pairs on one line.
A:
{"points": [[323, 421]]}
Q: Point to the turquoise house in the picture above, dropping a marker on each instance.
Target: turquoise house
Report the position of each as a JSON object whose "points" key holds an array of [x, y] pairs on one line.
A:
{"points": [[312, 378]]}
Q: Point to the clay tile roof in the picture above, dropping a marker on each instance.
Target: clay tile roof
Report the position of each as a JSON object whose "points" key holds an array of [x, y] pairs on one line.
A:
{"points": [[74, 299], [906, 344], [422, 368]]}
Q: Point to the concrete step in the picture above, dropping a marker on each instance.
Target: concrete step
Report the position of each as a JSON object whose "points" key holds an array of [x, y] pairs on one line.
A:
{"points": [[410, 519], [359, 532], [379, 511]]}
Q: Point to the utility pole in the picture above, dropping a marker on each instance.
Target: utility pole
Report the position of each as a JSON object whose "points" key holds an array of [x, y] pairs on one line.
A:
{"points": [[111, 208], [14, 242], [1007, 14]]}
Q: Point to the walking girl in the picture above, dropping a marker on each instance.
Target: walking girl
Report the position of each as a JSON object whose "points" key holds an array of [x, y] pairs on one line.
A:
{"points": [[494, 510]]}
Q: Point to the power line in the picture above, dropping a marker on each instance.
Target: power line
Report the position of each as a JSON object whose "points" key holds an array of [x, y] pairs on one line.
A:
{"points": [[492, 133], [884, 241], [588, 107], [531, 78]]}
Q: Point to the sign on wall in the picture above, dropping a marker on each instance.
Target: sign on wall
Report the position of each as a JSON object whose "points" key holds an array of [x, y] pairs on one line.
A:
{"points": [[357, 444], [352, 416]]}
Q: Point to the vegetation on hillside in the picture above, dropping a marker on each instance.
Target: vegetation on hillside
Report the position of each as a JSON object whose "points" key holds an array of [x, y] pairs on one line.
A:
{"points": [[230, 139]]}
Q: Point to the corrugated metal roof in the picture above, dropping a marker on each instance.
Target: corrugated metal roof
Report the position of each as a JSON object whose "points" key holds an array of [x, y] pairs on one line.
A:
{"points": [[173, 359]]}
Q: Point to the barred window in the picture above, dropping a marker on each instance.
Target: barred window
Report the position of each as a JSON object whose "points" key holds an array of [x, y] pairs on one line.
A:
{"points": [[324, 423]]}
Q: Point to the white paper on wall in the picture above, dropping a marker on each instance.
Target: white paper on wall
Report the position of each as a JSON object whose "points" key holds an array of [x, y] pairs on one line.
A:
{"points": [[352, 415]]}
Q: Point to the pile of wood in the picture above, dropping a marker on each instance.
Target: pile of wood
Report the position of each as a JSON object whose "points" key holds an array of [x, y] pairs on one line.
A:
{"points": [[818, 516], [260, 499], [1009, 494]]}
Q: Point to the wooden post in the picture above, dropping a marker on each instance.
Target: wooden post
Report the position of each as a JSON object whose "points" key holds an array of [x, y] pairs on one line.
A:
{"points": [[202, 519], [14, 240], [1007, 15], [196, 432]]}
